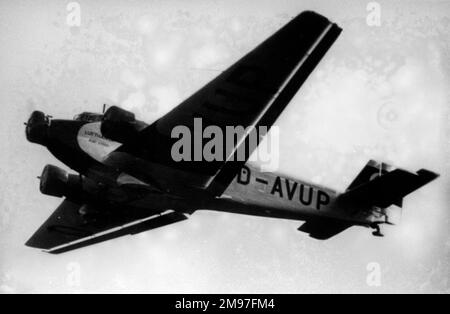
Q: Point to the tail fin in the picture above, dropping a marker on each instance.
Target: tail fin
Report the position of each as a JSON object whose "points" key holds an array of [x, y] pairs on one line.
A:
{"points": [[372, 170], [377, 186]]}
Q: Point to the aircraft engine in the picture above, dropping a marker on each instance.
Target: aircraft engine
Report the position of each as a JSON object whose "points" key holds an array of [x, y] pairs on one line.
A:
{"points": [[119, 125], [57, 182], [36, 128]]}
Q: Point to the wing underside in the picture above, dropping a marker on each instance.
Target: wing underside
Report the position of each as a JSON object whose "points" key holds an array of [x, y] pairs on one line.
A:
{"points": [[251, 93], [66, 229]]}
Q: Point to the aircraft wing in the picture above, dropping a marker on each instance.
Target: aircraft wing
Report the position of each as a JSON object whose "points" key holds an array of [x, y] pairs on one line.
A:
{"points": [[66, 229], [324, 228], [251, 93]]}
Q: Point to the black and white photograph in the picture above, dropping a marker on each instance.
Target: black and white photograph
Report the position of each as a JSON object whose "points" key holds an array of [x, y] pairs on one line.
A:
{"points": [[225, 152]]}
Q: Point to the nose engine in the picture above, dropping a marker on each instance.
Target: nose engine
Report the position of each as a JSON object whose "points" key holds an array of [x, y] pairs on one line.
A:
{"points": [[37, 128]]}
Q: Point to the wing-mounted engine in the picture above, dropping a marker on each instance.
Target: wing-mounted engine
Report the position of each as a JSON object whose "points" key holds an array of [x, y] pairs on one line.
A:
{"points": [[57, 182], [120, 125]]}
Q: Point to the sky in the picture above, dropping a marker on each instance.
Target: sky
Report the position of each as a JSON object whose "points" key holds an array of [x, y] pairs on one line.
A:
{"points": [[380, 93]]}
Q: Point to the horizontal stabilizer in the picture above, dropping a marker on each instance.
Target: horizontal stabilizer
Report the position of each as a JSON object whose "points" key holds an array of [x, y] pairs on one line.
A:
{"points": [[324, 228], [388, 189]]}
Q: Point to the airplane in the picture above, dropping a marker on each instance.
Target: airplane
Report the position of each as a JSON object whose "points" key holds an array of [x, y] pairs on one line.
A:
{"points": [[127, 181]]}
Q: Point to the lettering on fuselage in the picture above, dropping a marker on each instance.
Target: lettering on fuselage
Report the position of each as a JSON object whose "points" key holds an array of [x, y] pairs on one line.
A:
{"points": [[94, 134], [287, 189], [244, 176], [93, 143]]}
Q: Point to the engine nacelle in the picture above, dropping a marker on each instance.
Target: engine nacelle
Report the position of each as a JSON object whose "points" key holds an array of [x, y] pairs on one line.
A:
{"points": [[119, 125], [37, 128], [57, 182]]}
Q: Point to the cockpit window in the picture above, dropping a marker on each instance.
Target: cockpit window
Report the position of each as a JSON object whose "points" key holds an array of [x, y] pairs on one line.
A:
{"points": [[88, 117]]}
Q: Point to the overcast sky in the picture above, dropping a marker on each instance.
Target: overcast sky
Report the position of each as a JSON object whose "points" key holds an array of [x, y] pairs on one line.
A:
{"points": [[380, 93]]}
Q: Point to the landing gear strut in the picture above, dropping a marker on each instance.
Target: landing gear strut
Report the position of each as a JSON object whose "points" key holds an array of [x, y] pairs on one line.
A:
{"points": [[377, 232]]}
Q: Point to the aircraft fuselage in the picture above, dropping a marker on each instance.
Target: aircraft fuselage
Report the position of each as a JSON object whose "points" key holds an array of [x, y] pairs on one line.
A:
{"points": [[80, 145]]}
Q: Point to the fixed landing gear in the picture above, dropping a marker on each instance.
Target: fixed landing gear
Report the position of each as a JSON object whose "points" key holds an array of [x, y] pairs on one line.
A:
{"points": [[377, 232]]}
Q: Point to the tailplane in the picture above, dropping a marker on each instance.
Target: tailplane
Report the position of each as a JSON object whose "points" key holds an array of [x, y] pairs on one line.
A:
{"points": [[381, 185]]}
